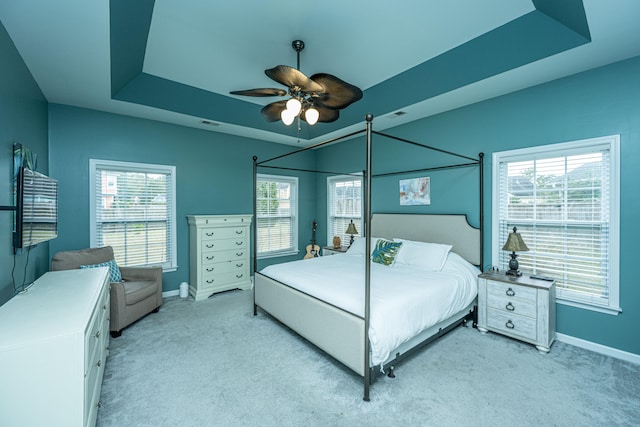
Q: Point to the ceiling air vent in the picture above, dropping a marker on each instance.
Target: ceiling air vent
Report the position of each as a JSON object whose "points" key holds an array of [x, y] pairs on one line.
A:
{"points": [[397, 114], [209, 123]]}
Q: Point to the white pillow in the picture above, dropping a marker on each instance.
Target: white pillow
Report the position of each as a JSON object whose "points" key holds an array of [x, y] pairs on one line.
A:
{"points": [[358, 246], [427, 256]]}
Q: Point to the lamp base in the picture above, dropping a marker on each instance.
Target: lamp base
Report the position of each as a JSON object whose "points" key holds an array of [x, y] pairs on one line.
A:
{"points": [[515, 273], [513, 266]]}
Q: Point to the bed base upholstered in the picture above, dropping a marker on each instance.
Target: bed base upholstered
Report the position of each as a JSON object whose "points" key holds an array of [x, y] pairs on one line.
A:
{"points": [[342, 334]]}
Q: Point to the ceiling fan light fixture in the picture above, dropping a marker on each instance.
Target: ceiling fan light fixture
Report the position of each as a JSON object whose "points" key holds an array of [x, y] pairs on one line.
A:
{"points": [[287, 117], [294, 106], [311, 115]]}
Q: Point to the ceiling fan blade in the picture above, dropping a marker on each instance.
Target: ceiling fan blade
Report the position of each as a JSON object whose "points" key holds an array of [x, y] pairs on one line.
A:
{"points": [[326, 115], [337, 93], [291, 77], [260, 92], [271, 112]]}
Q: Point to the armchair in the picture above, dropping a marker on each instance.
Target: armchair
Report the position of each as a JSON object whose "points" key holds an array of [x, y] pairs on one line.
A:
{"points": [[139, 294]]}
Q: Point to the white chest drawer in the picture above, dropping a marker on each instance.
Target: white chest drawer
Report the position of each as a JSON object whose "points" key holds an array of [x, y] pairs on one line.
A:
{"points": [[519, 307], [219, 254]]}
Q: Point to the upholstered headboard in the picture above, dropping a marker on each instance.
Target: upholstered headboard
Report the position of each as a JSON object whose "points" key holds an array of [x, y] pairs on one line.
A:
{"points": [[450, 229]]}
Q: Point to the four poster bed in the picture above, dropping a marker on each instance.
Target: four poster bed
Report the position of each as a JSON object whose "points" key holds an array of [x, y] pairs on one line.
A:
{"points": [[367, 315]]}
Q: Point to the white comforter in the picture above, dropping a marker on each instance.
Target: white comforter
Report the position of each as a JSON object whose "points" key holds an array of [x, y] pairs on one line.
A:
{"points": [[404, 300]]}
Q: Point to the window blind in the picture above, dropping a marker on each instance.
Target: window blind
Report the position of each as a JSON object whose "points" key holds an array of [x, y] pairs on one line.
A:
{"points": [[276, 215], [561, 206], [344, 205], [134, 213]]}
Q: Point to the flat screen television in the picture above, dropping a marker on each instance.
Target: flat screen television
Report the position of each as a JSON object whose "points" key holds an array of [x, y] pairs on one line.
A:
{"points": [[36, 208]]}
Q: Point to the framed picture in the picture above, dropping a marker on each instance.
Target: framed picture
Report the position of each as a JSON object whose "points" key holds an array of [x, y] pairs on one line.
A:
{"points": [[415, 191]]}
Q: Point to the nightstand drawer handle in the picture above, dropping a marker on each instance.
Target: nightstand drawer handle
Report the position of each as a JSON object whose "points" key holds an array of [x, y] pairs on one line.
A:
{"points": [[510, 292], [509, 324], [510, 307], [238, 231]]}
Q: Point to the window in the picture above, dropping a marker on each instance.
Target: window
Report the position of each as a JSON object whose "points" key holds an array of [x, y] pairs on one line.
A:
{"points": [[133, 210], [276, 215], [564, 200], [344, 204]]}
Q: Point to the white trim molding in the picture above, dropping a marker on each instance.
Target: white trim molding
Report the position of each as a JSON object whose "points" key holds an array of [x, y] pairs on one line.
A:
{"points": [[599, 348]]}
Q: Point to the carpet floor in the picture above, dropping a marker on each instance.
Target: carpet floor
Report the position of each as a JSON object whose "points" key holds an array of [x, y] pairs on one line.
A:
{"points": [[212, 363]]}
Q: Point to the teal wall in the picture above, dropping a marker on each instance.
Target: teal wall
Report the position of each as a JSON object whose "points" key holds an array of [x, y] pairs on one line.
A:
{"points": [[23, 119], [214, 171], [600, 102]]}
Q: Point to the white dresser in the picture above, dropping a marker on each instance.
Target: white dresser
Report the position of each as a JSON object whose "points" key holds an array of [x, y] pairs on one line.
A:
{"points": [[219, 254], [519, 307], [53, 349]]}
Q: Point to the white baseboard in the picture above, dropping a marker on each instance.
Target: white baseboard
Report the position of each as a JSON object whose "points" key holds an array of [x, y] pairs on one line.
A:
{"points": [[173, 293], [599, 348]]}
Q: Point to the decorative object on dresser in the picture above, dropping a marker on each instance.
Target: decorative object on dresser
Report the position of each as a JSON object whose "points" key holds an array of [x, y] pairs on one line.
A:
{"points": [[135, 291], [53, 348], [331, 250], [337, 243], [218, 254], [514, 244], [519, 307], [351, 229]]}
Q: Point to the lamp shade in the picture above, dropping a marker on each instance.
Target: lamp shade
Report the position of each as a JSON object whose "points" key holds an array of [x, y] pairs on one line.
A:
{"points": [[311, 115], [287, 117], [294, 106], [515, 243], [351, 229]]}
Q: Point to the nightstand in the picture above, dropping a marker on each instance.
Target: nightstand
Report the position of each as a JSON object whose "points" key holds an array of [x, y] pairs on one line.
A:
{"points": [[518, 307], [330, 250]]}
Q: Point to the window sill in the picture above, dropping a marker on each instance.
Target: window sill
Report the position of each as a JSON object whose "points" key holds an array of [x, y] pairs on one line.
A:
{"points": [[279, 254], [614, 311]]}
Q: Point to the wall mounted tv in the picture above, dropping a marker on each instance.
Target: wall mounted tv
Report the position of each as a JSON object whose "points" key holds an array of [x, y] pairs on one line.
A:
{"points": [[36, 208]]}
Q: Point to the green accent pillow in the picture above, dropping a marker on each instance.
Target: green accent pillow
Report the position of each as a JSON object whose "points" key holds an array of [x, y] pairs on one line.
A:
{"points": [[114, 271], [385, 252]]}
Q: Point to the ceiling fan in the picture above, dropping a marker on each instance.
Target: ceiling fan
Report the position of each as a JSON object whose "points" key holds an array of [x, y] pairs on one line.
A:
{"points": [[313, 99]]}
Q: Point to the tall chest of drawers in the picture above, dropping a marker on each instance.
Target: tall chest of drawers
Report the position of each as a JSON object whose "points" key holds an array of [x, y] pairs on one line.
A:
{"points": [[219, 254], [519, 307], [53, 347]]}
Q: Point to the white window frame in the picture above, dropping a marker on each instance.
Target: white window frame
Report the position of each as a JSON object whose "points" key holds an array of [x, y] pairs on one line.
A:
{"points": [[358, 221], [293, 250], [95, 164], [612, 143]]}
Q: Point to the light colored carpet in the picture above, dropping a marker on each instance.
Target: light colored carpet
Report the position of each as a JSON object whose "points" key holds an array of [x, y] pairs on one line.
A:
{"points": [[212, 363]]}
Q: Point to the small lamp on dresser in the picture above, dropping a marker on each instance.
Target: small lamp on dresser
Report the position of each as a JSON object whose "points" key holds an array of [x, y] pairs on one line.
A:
{"points": [[514, 244], [351, 229]]}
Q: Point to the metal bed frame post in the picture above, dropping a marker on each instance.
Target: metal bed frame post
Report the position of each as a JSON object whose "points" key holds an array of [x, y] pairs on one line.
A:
{"points": [[481, 167], [367, 264], [255, 230]]}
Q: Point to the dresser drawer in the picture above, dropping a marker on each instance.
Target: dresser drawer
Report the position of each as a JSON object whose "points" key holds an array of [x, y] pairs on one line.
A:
{"points": [[225, 267], [209, 258], [225, 244], [223, 233], [511, 324], [222, 279], [512, 305], [511, 290]]}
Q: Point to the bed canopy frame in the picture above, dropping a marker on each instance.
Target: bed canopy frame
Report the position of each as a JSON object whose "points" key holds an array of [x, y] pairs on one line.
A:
{"points": [[367, 214]]}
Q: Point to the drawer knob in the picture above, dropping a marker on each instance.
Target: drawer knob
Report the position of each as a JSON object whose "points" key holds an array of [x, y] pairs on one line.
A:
{"points": [[239, 243], [239, 265], [239, 275], [510, 292], [99, 363], [209, 234], [98, 334], [509, 324], [104, 307], [210, 269], [239, 253], [209, 258], [210, 245], [210, 281], [510, 307], [238, 231]]}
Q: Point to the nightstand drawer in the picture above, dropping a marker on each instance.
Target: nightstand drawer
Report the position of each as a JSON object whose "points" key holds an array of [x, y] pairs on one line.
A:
{"points": [[512, 305], [511, 324], [511, 290]]}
